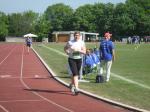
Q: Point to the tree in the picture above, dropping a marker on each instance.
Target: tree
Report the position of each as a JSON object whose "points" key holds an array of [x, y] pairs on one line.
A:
{"points": [[139, 12], [122, 23], [104, 17], [42, 27], [59, 16], [22, 23], [145, 4], [29, 21], [15, 21], [84, 18], [3, 26]]}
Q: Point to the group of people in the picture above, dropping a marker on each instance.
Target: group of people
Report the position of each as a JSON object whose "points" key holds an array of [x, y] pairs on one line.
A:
{"points": [[76, 48], [91, 60], [134, 40]]}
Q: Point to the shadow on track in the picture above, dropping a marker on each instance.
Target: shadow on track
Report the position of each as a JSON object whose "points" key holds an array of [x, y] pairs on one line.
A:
{"points": [[50, 91]]}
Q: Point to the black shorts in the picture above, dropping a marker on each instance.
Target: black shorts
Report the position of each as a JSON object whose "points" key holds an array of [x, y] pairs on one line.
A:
{"points": [[75, 66], [28, 45]]}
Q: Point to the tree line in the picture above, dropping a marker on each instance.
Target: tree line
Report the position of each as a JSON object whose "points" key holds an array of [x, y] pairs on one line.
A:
{"points": [[122, 19]]}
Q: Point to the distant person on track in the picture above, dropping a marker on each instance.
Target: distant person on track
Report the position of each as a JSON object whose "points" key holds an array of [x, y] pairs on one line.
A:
{"points": [[74, 49], [107, 55], [29, 43]]}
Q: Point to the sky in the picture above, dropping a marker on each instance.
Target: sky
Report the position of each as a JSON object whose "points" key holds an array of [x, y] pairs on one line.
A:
{"points": [[39, 6]]}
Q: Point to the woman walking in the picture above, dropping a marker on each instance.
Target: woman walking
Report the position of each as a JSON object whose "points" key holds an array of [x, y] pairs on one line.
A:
{"points": [[75, 48]]}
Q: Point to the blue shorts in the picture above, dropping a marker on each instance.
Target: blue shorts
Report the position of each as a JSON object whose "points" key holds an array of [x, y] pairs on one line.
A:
{"points": [[28, 44]]}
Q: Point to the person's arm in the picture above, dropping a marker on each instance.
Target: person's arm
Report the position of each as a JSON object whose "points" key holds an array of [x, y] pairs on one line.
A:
{"points": [[113, 55], [83, 49], [100, 52], [113, 52], [66, 48], [25, 41]]}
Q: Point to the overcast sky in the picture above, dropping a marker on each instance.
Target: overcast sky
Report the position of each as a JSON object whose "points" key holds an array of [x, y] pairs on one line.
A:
{"points": [[15, 6]]}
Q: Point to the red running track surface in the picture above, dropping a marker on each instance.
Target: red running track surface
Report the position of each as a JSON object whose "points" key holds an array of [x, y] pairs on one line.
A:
{"points": [[27, 86]]}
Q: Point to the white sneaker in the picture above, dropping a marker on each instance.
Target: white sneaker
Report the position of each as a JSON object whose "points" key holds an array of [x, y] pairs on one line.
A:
{"points": [[76, 91], [71, 86], [107, 80], [73, 89]]}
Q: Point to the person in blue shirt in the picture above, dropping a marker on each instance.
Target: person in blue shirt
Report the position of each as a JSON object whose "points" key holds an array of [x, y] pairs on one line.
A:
{"points": [[96, 60], [29, 42], [107, 55], [96, 51], [95, 57], [88, 62]]}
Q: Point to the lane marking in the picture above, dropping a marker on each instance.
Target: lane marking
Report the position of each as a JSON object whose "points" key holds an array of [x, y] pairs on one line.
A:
{"points": [[26, 86], [3, 108], [7, 55], [36, 76], [93, 95], [130, 81], [55, 51], [5, 76], [113, 74]]}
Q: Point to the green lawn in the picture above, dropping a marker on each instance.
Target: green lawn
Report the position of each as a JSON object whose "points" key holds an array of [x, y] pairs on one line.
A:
{"points": [[132, 64]]}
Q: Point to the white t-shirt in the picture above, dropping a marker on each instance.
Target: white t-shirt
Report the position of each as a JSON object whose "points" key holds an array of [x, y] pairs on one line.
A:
{"points": [[74, 48]]}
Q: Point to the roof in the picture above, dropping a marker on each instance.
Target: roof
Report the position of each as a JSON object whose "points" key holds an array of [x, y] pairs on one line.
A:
{"points": [[69, 32]]}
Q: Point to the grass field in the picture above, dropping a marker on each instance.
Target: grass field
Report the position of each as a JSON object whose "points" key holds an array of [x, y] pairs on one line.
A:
{"points": [[130, 73]]}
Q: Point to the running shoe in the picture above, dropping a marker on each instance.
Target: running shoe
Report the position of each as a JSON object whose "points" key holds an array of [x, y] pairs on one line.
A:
{"points": [[76, 91], [71, 86], [107, 80]]}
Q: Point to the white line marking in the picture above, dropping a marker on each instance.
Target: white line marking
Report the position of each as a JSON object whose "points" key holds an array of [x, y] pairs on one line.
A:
{"points": [[3, 108], [113, 74], [55, 51], [93, 95], [7, 56], [50, 101], [130, 81], [5, 76]]}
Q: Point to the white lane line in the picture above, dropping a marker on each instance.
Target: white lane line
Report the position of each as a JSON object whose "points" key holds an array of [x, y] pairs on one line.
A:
{"points": [[7, 56], [113, 74], [3, 108], [26, 86], [130, 81], [5, 76], [55, 51]]}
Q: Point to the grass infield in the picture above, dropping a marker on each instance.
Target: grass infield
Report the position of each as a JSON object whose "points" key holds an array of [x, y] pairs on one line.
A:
{"points": [[130, 78]]}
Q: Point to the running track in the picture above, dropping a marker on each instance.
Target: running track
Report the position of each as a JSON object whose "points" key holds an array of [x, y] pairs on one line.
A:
{"points": [[27, 86]]}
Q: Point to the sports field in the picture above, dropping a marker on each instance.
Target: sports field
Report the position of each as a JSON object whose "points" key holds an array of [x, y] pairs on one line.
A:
{"points": [[130, 74]]}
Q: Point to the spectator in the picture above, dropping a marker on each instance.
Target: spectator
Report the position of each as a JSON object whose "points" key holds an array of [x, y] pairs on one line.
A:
{"points": [[107, 54]]}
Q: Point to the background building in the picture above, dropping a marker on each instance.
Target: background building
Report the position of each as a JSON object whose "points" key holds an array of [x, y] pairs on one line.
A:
{"points": [[64, 36]]}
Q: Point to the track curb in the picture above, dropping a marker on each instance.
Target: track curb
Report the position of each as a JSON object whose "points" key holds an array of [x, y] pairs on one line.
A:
{"points": [[115, 103]]}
